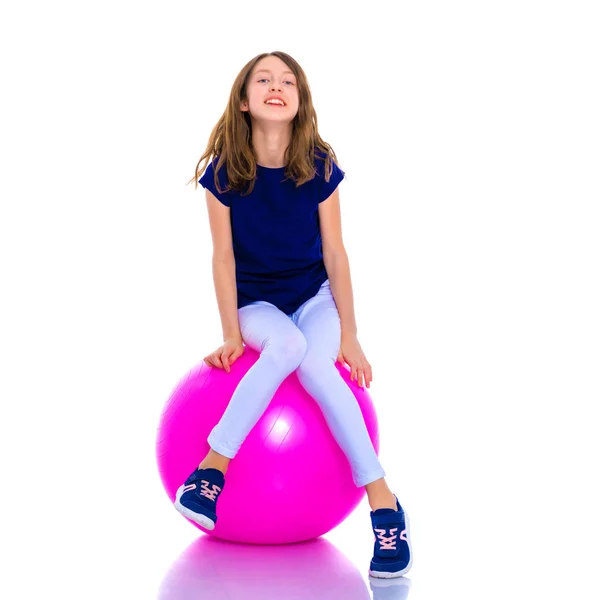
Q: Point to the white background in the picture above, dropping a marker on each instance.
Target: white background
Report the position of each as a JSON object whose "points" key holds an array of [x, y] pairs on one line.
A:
{"points": [[469, 133]]}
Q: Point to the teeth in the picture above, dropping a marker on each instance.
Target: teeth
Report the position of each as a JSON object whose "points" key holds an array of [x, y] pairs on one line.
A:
{"points": [[274, 102]]}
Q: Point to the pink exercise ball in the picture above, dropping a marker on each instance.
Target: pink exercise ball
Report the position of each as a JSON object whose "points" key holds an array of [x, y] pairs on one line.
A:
{"points": [[290, 480]]}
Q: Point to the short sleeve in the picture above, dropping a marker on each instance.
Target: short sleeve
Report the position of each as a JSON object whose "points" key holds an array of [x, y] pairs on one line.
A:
{"points": [[207, 181], [328, 187]]}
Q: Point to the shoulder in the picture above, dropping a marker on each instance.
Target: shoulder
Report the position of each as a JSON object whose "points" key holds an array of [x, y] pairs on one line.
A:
{"points": [[327, 181], [321, 159], [209, 172], [207, 181]]}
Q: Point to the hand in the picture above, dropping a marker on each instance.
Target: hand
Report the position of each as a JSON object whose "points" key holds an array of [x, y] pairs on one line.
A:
{"points": [[351, 353], [224, 356]]}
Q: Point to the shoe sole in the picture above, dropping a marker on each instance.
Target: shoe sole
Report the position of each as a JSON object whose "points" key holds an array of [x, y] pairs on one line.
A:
{"points": [[199, 518], [380, 582], [388, 574]]}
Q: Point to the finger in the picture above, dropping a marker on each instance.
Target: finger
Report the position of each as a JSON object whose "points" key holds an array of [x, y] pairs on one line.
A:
{"points": [[369, 375], [360, 376], [352, 372], [217, 361], [225, 360]]}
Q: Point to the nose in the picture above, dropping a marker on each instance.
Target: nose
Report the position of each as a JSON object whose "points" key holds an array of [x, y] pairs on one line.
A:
{"points": [[275, 86]]}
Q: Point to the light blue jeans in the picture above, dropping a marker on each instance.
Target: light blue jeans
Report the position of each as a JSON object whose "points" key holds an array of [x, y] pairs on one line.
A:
{"points": [[308, 342]]}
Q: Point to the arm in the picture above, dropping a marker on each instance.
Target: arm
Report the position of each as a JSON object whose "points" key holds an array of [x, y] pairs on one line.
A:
{"points": [[336, 261], [338, 271], [223, 266]]}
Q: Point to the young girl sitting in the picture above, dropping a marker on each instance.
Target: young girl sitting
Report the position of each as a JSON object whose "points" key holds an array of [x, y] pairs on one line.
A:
{"points": [[282, 282]]}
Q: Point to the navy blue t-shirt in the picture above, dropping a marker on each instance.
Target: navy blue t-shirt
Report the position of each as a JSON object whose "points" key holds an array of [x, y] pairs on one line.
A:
{"points": [[276, 234]]}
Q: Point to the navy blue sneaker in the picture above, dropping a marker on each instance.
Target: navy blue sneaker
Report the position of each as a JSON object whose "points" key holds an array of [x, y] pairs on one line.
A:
{"points": [[197, 498], [392, 554]]}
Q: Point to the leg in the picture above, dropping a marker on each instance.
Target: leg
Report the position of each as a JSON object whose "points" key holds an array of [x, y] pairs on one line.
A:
{"points": [[214, 460], [380, 495], [318, 319], [282, 346]]}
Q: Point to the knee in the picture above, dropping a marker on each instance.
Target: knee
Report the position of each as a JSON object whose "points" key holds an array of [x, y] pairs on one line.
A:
{"points": [[315, 364], [286, 350]]}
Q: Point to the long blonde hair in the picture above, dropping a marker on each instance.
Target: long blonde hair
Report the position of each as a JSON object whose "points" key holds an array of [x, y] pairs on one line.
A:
{"points": [[230, 139]]}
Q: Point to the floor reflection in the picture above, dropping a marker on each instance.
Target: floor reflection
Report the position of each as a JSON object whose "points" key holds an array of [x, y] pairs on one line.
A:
{"points": [[220, 570], [389, 589]]}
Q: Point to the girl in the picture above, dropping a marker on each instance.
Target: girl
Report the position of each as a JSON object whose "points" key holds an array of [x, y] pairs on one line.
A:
{"points": [[282, 282]]}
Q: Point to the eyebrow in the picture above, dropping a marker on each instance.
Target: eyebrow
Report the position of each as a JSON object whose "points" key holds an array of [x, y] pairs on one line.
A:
{"points": [[269, 71]]}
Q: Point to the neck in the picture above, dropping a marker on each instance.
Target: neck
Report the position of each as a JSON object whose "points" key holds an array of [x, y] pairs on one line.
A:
{"points": [[270, 142]]}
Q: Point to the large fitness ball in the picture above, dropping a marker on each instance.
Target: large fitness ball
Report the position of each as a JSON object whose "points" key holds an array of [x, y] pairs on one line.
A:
{"points": [[290, 480]]}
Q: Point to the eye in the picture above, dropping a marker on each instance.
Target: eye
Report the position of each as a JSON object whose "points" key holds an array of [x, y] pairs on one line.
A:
{"points": [[265, 79]]}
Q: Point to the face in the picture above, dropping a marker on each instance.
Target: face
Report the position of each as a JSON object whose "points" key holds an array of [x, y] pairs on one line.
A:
{"points": [[271, 77]]}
